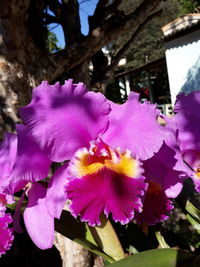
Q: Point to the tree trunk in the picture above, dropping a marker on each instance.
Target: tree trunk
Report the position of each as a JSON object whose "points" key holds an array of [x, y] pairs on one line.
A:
{"points": [[81, 73], [72, 254], [22, 64]]}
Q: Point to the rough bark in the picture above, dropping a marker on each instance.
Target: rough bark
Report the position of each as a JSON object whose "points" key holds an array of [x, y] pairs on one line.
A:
{"points": [[70, 21], [23, 64], [72, 254]]}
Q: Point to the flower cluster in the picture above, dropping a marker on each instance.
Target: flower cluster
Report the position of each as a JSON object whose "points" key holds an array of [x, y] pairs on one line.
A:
{"points": [[114, 159]]}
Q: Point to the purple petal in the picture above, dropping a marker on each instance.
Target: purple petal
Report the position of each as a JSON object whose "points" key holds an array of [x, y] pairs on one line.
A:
{"points": [[8, 150], [63, 118], [6, 233], [192, 157], [106, 192], [38, 222], [31, 164], [170, 153], [16, 218], [156, 207], [187, 121], [134, 126], [196, 183], [160, 169], [56, 196]]}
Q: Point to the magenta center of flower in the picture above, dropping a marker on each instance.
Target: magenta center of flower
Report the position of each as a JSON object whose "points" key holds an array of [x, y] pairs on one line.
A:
{"points": [[3, 199]]}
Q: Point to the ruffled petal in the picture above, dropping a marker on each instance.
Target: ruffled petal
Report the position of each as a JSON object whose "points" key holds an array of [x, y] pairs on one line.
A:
{"points": [[156, 207], [134, 126], [56, 196], [38, 222], [105, 191], [107, 180], [6, 233], [31, 164], [63, 118]]}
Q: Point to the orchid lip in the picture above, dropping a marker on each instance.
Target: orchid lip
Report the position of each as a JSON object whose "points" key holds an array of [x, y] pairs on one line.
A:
{"points": [[105, 180]]}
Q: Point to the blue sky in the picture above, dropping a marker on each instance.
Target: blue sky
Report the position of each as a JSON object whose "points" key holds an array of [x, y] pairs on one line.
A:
{"points": [[87, 8]]}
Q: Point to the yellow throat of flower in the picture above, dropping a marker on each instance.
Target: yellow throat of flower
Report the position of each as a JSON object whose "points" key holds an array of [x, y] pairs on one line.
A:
{"points": [[88, 162]]}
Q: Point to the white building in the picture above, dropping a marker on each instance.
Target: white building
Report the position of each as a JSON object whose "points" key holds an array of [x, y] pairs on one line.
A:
{"points": [[182, 40]]}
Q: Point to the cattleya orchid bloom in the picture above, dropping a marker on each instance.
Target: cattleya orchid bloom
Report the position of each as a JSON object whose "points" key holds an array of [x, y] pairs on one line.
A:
{"points": [[105, 144], [6, 233], [185, 122], [22, 163]]}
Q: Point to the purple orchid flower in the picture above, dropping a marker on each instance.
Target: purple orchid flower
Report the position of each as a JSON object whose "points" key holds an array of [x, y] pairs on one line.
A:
{"points": [[104, 143], [22, 163], [6, 233], [186, 122]]}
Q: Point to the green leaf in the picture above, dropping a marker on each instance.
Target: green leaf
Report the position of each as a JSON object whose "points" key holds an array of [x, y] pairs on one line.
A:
{"points": [[188, 207], [80, 233], [160, 258], [107, 239], [194, 223], [191, 212]]}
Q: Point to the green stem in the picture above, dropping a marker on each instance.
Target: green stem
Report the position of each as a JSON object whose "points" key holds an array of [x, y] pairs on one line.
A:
{"points": [[107, 239], [161, 240]]}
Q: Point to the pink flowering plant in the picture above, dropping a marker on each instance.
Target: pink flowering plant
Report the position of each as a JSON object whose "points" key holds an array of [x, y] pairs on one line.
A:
{"points": [[116, 166]]}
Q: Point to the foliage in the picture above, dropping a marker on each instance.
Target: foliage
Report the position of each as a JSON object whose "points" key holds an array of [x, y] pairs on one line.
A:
{"points": [[188, 6], [53, 42], [149, 45]]}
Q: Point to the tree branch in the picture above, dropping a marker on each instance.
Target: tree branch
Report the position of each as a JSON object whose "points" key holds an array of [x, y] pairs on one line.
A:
{"points": [[112, 8], [128, 44], [70, 21], [98, 15], [102, 11], [101, 36], [50, 19], [55, 6]]}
